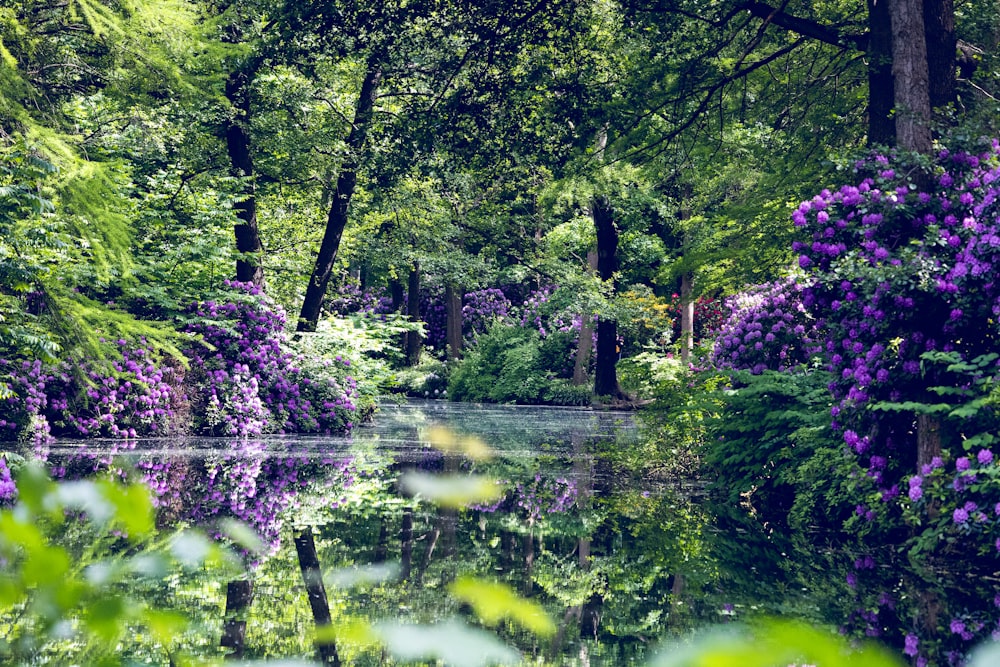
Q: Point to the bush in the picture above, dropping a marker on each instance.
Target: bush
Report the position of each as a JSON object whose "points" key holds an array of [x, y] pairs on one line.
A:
{"points": [[514, 365]]}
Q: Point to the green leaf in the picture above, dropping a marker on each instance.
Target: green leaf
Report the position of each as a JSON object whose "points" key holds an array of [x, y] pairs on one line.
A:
{"points": [[452, 642], [454, 491], [494, 602]]}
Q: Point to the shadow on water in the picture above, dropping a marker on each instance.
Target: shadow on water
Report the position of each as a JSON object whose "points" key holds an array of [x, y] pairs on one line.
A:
{"points": [[617, 562]]}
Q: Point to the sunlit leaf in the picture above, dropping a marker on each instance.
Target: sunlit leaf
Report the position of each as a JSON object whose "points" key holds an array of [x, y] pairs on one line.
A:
{"points": [[771, 644], [242, 535], [86, 497], [446, 440], [165, 625], [362, 575], [494, 602], [190, 548], [104, 617], [453, 491], [986, 655], [452, 642]]}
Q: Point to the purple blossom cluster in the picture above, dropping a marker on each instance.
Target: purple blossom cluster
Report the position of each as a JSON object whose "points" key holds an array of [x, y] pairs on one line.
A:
{"points": [[350, 298], [482, 307], [536, 497], [768, 329], [899, 270], [133, 395], [8, 488], [246, 383]]}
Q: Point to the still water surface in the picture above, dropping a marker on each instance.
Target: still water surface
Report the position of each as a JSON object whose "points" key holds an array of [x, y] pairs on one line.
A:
{"points": [[618, 562]]}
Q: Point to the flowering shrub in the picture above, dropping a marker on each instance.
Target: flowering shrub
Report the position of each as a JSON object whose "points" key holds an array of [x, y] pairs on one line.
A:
{"points": [[134, 395], [246, 383], [902, 274], [767, 329]]}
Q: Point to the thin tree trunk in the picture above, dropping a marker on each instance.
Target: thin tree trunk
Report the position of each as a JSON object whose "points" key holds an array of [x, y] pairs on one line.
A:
{"points": [[239, 595], [406, 545], [336, 220], [248, 244], [312, 576], [585, 345], [687, 316], [910, 71], [453, 303], [413, 342]]}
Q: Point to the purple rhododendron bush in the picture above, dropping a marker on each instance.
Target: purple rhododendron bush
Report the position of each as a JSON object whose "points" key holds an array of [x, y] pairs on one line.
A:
{"points": [[899, 300], [238, 379]]}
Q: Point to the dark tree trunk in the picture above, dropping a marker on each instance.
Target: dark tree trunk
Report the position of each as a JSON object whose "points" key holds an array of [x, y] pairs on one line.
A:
{"points": [[336, 219], [239, 595], [910, 72], [453, 302], [406, 545], [397, 292], [606, 372], [942, 45], [585, 346], [312, 576], [248, 264], [881, 124], [413, 342]]}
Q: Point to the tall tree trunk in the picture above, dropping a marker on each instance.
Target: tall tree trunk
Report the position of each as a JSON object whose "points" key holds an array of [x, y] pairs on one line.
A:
{"points": [[910, 71], [239, 595], [248, 264], [336, 219], [606, 372], [312, 576], [413, 341], [585, 346], [939, 30], [453, 303], [881, 123]]}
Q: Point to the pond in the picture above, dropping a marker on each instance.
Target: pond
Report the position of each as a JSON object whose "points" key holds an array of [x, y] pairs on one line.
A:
{"points": [[618, 563]]}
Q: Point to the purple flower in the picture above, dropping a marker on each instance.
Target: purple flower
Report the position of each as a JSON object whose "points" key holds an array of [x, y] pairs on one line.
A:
{"points": [[985, 457], [910, 645]]}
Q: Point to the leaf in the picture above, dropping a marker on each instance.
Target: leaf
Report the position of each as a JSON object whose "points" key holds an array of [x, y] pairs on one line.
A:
{"points": [[242, 535], [191, 548], [494, 602], [360, 576], [449, 442], [453, 491], [452, 642], [772, 643], [985, 655]]}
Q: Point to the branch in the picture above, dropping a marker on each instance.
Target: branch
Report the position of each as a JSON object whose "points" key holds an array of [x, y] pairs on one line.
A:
{"points": [[806, 27]]}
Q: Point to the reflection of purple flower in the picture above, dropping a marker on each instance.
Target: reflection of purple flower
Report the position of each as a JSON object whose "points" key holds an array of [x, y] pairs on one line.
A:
{"points": [[8, 489]]}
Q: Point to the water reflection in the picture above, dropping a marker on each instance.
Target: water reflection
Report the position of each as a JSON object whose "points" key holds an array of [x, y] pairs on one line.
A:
{"points": [[617, 562]]}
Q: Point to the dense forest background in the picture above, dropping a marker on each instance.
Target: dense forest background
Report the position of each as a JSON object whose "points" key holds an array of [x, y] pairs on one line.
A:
{"points": [[774, 226]]}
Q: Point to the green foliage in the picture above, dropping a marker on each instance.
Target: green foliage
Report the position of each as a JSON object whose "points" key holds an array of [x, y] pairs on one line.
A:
{"points": [[767, 424], [75, 554], [511, 364]]}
